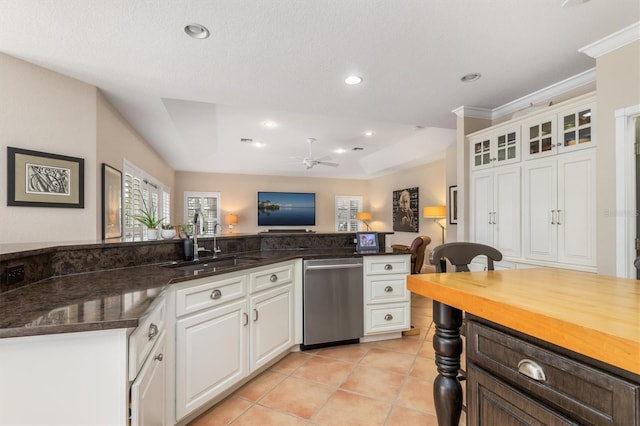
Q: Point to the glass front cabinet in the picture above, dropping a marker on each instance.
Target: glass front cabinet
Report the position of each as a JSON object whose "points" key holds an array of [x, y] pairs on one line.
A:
{"points": [[567, 130], [501, 146]]}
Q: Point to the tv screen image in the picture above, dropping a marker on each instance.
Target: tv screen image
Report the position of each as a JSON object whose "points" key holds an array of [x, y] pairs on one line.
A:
{"points": [[286, 209]]}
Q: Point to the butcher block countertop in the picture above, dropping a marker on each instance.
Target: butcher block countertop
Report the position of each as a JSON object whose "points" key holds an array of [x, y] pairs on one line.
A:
{"points": [[594, 315]]}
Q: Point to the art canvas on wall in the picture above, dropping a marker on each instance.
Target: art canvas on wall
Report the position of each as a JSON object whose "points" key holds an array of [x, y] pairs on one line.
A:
{"points": [[405, 210]]}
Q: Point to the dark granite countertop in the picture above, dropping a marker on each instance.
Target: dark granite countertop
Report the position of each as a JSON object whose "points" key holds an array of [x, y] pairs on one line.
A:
{"points": [[114, 298]]}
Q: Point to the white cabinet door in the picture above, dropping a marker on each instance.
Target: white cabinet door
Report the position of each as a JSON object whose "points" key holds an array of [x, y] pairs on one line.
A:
{"points": [[560, 209], [576, 222], [482, 208], [506, 211], [272, 324], [149, 390], [210, 354], [495, 209], [540, 189]]}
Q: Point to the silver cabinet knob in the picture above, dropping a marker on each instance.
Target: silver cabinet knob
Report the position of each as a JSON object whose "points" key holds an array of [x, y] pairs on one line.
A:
{"points": [[216, 294], [388, 267], [388, 289], [273, 278], [153, 331], [159, 357], [388, 317]]}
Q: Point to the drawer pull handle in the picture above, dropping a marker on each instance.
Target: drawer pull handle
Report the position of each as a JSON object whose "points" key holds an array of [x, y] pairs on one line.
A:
{"points": [[216, 294], [255, 316], [388, 267], [388, 317], [532, 370], [388, 289], [273, 278], [153, 331], [246, 318], [159, 357]]}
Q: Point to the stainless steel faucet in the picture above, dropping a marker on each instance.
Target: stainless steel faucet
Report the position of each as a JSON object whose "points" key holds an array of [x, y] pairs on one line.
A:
{"points": [[197, 218]]}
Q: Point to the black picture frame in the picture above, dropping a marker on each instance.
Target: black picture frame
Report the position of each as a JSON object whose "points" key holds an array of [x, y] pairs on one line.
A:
{"points": [[405, 210], [453, 205], [42, 179], [111, 202]]}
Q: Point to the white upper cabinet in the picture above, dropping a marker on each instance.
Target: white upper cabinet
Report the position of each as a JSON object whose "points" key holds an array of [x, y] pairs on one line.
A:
{"points": [[497, 147], [564, 130]]}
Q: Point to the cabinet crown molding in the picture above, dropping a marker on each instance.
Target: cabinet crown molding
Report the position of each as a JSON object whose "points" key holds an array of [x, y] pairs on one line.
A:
{"points": [[613, 41]]}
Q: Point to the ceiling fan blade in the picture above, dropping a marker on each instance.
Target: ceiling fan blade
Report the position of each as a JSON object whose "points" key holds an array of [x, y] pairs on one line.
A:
{"points": [[327, 163]]}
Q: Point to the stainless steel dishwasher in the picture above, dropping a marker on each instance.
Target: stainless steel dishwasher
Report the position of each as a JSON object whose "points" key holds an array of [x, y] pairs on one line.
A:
{"points": [[332, 306]]}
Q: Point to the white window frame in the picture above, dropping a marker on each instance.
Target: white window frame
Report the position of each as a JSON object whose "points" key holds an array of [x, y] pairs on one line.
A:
{"points": [[157, 194], [209, 225], [351, 221]]}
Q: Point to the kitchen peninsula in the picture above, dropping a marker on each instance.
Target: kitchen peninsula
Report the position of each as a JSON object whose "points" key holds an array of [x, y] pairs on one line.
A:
{"points": [[540, 344], [96, 331]]}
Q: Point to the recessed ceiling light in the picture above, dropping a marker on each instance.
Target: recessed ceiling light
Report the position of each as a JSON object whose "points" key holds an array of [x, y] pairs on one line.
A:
{"points": [[259, 144], [569, 3], [368, 133], [196, 31], [339, 151], [270, 124], [474, 76], [353, 79]]}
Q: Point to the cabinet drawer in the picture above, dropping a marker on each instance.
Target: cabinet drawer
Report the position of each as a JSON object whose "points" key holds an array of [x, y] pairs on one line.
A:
{"points": [[581, 392], [386, 318], [210, 294], [277, 275], [400, 264], [493, 402], [386, 289], [144, 337]]}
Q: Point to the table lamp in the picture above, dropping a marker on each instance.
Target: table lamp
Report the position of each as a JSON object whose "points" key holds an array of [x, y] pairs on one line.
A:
{"points": [[364, 217], [231, 219]]}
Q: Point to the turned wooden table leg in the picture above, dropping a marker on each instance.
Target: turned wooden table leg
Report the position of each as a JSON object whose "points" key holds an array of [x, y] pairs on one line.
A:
{"points": [[447, 391]]}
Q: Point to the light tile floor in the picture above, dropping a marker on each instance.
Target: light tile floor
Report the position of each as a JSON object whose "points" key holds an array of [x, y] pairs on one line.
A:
{"points": [[381, 383]]}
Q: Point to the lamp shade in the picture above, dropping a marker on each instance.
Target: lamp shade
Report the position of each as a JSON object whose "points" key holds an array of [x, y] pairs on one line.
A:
{"points": [[231, 219], [363, 216], [435, 211]]}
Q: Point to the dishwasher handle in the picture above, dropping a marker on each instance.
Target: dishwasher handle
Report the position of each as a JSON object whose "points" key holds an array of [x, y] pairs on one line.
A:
{"points": [[338, 266]]}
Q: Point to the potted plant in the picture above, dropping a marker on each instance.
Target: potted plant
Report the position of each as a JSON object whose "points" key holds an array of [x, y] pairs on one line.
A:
{"points": [[168, 231], [148, 218]]}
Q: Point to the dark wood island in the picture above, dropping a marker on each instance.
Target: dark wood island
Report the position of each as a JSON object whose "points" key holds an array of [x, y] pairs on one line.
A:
{"points": [[543, 346]]}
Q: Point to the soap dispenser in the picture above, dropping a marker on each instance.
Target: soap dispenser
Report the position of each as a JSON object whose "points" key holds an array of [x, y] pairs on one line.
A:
{"points": [[188, 248]]}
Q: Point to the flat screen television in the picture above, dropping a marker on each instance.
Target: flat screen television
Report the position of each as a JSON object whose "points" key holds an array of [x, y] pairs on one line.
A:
{"points": [[286, 208]]}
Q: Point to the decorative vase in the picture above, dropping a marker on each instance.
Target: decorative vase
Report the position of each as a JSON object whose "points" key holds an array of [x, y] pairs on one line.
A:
{"points": [[152, 234], [168, 234]]}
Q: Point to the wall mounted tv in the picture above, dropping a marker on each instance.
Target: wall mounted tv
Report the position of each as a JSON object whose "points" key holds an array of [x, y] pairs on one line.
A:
{"points": [[286, 209]]}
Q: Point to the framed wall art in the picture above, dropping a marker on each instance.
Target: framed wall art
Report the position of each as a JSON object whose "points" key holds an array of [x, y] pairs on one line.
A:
{"points": [[405, 210], [111, 202], [453, 205], [41, 179]]}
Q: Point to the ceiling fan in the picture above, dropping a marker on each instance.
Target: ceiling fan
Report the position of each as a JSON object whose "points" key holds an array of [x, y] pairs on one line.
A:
{"points": [[309, 161]]}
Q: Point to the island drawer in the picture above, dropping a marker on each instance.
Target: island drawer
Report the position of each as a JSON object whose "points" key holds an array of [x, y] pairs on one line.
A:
{"points": [[271, 277], [580, 391], [211, 292], [144, 337], [386, 289]]}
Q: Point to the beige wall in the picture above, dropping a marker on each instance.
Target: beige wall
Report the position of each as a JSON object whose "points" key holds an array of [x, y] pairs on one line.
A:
{"points": [[431, 182], [618, 81], [238, 194], [116, 141], [45, 111]]}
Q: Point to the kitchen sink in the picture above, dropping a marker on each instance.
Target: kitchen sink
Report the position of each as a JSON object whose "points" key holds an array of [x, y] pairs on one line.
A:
{"points": [[204, 266]]}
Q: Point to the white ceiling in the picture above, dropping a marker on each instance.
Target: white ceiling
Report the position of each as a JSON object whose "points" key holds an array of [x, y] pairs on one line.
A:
{"points": [[285, 61]]}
